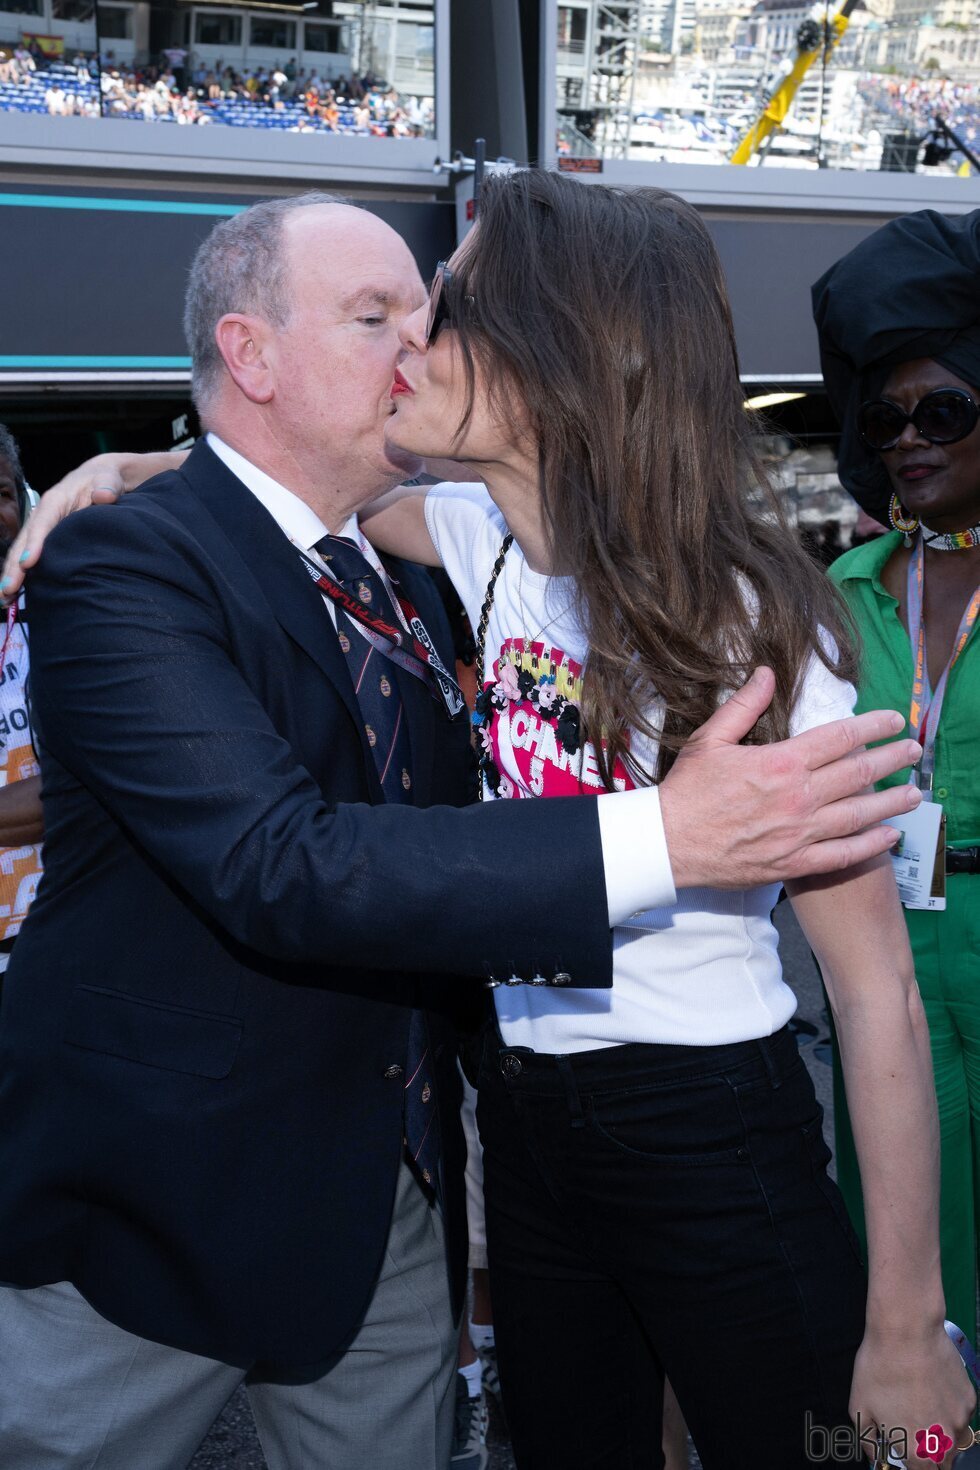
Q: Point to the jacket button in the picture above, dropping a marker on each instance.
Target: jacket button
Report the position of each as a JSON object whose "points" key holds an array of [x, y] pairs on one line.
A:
{"points": [[511, 1065], [562, 978], [394, 1071]]}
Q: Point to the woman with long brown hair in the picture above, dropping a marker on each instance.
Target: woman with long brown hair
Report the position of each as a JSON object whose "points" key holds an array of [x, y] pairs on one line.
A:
{"points": [[657, 1195]]}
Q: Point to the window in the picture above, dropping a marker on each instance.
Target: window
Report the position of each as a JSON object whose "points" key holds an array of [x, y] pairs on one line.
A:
{"points": [[80, 10], [114, 22], [21, 7], [278, 35], [218, 30], [415, 43], [321, 38]]}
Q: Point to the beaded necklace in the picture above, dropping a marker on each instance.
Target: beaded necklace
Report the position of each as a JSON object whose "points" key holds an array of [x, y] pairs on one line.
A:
{"points": [[950, 540], [481, 714]]}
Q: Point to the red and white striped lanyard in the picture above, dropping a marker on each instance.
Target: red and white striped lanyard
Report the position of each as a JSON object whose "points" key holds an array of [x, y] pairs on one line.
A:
{"points": [[421, 660]]}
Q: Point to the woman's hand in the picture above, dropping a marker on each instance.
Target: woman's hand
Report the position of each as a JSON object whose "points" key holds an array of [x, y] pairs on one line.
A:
{"points": [[907, 1384], [99, 481]]}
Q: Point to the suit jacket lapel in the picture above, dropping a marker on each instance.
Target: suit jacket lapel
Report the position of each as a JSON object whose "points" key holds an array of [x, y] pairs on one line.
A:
{"points": [[293, 598], [297, 606]]}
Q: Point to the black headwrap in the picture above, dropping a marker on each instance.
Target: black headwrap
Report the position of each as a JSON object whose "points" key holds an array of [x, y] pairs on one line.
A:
{"points": [[910, 290]]}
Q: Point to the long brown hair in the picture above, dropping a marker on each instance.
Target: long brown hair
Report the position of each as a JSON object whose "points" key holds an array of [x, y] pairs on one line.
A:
{"points": [[603, 313]]}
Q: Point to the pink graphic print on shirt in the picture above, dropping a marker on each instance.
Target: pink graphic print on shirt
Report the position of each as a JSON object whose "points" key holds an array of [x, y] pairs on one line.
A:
{"points": [[522, 738]]}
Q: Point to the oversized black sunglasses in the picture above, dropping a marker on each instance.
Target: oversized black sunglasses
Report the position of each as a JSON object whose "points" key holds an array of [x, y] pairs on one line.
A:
{"points": [[439, 308], [943, 416]]}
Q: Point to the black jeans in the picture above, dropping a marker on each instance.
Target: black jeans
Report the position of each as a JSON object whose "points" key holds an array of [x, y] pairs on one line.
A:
{"points": [[661, 1210]]}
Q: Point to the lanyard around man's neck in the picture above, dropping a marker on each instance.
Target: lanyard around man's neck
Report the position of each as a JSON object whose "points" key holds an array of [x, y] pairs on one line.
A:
{"points": [[384, 634]]}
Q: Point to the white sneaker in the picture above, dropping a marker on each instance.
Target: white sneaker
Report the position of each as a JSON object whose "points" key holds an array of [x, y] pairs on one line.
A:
{"points": [[470, 1432]]}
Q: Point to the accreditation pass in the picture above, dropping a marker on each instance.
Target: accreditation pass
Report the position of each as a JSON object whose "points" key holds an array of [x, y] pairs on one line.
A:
{"points": [[919, 856]]}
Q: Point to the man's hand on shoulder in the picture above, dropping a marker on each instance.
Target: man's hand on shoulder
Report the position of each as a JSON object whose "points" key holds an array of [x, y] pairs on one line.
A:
{"points": [[737, 816], [99, 481]]}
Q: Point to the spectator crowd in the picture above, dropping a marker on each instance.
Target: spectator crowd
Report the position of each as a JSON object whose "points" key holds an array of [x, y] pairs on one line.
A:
{"points": [[912, 102], [279, 96]]}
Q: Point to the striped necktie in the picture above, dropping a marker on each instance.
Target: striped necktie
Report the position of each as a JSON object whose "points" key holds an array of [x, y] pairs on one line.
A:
{"points": [[374, 677], [381, 709]]}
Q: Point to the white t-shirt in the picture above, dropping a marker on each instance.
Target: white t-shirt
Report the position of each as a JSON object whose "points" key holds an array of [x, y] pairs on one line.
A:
{"points": [[702, 972]]}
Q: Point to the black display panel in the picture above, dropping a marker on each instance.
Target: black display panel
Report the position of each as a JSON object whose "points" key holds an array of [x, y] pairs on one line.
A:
{"points": [[114, 301]]}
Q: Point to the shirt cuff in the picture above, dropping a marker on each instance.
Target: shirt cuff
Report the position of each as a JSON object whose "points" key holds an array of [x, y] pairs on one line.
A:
{"points": [[634, 853]]}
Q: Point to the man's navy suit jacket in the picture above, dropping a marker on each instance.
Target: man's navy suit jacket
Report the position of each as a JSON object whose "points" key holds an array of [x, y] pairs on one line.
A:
{"points": [[197, 1123]]}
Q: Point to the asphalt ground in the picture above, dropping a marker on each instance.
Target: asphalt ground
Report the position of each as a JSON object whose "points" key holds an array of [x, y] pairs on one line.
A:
{"points": [[232, 1443]]}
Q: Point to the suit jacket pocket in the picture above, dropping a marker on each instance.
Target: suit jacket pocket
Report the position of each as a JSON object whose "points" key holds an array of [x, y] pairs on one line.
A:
{"points": [[152, 1033]]}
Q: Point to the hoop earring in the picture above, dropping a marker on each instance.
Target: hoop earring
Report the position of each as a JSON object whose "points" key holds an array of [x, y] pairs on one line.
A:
{"points": [[901, 520]]}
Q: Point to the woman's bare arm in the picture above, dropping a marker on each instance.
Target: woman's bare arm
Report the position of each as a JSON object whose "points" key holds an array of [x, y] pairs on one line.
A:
{"points": [[99, 481], [21, 816], [396, 523], [907, 1371]]}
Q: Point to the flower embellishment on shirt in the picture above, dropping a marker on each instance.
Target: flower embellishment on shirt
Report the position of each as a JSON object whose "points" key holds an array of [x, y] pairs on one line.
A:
{"points": [[529, 723]]}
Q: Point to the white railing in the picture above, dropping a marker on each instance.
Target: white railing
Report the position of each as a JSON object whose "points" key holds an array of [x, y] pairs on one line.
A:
{"points": [[570, 51]]}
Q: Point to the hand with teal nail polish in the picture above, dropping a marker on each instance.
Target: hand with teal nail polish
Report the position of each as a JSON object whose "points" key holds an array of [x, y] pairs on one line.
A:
{"points": [[99, 481]]}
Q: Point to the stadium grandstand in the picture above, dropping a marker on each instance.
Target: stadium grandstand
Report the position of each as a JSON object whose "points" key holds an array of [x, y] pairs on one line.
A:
{"points": [[360, 69], [256, 99]]}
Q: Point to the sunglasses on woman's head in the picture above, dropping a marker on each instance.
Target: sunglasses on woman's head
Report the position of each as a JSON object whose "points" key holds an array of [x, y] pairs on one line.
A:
{"points": [[944, 416]]}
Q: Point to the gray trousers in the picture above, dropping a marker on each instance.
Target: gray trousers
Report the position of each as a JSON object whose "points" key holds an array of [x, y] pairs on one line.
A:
{"points": [[77, 1393]]}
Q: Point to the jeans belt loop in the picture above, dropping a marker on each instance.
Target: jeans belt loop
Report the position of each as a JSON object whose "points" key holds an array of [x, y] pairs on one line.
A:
{"points": [[564, 1065], [766, 1049]]}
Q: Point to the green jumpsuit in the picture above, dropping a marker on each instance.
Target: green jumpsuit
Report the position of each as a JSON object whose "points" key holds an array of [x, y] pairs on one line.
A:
{"points": [[945, 944]]}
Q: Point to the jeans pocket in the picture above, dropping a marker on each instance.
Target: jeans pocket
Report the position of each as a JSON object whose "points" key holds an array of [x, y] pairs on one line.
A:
{"points": [[680, 1126]]}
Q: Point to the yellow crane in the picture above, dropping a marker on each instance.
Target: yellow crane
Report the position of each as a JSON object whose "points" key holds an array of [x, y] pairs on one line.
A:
{"points": [[813, 38]]}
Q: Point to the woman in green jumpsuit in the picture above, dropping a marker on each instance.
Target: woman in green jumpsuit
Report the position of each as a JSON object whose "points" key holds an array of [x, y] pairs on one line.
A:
{"points": [[898, 320]]}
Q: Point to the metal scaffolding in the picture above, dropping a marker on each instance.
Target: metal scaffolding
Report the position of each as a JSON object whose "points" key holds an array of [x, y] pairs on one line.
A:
{"points": [[612, 73], [598, 48]]}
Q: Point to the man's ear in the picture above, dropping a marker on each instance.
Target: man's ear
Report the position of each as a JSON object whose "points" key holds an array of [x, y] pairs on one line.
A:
{"points": [[243, 342]]}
